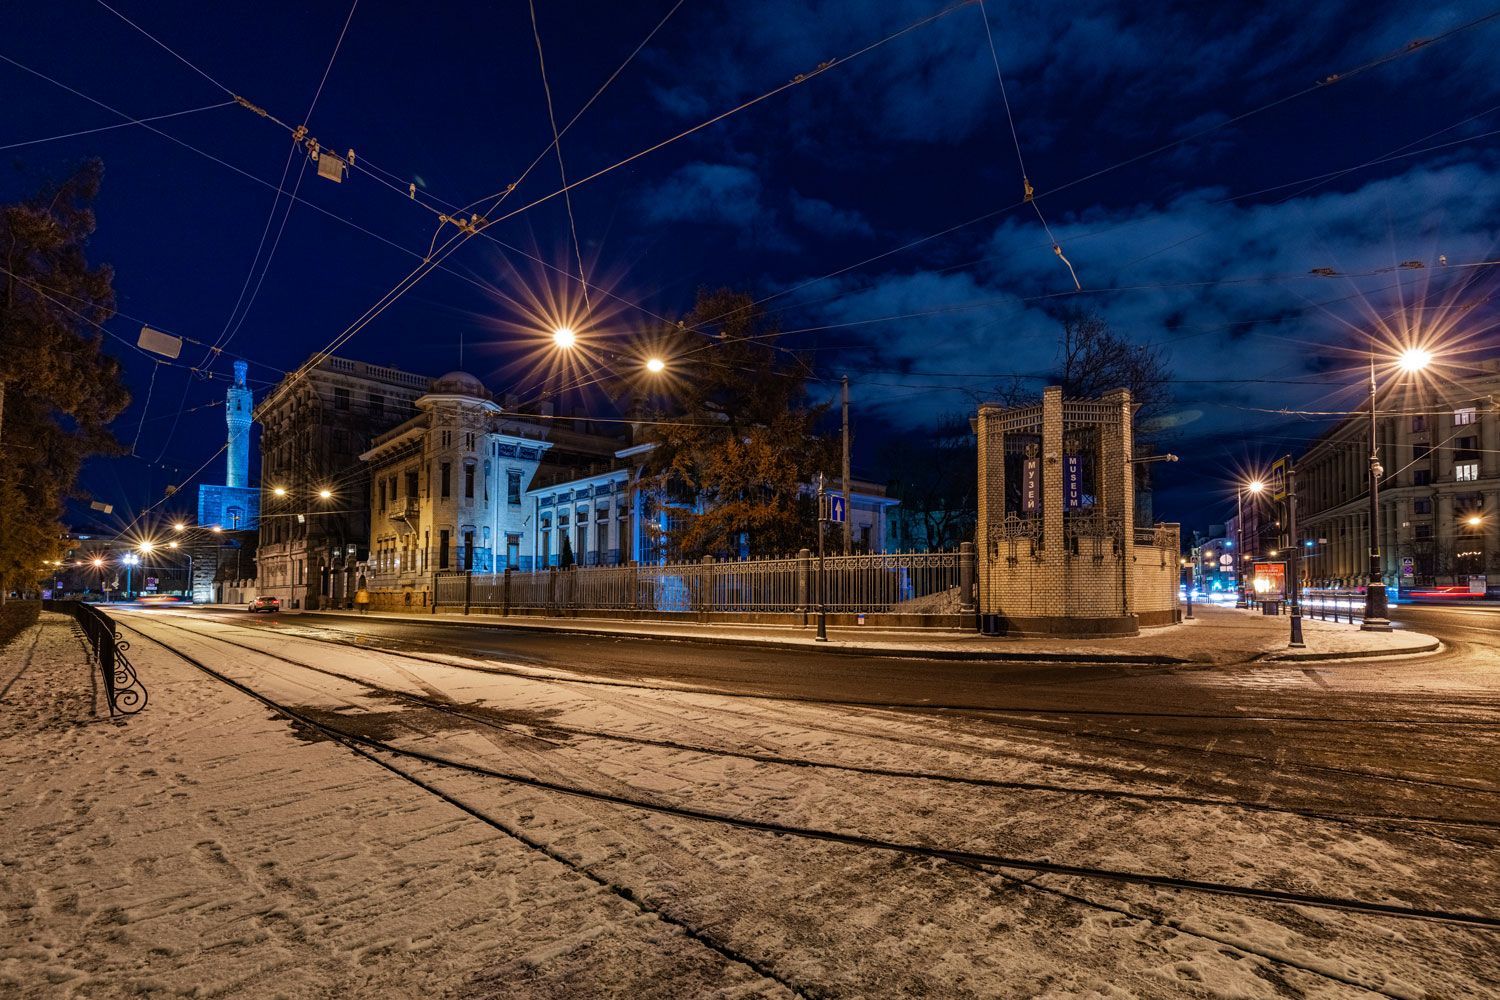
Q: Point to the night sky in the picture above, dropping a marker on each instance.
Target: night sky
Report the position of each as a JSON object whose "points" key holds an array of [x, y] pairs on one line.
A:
{"points": [[903, 154]]}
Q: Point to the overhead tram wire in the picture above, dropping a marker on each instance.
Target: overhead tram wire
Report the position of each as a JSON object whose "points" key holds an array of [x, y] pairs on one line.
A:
{"points": [[1332, 79], [562, 170], [472, 228], [1026, 188], [127, 124], [302, 370]]}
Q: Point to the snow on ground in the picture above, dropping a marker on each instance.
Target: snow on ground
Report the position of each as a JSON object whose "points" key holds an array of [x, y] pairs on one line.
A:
{"points": [[207, 844]]}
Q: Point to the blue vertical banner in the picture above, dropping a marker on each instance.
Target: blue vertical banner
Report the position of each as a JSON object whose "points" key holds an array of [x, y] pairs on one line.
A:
{"points": [[1072, 482], [1031, 485]]}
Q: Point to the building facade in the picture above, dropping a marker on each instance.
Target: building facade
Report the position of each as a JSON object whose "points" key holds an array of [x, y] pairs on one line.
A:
{"points": [[448, 486], [315, 511], [233, 505], [1439, 446]]}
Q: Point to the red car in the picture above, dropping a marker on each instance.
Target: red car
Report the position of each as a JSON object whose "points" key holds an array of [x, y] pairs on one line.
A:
{"points": [[264, 603]]}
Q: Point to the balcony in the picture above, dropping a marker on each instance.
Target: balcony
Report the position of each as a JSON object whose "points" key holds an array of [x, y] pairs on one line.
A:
{"points": [[404, 515]]}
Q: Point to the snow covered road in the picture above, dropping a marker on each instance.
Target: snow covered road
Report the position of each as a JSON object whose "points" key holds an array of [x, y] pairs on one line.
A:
{"points": [[505, 888]]}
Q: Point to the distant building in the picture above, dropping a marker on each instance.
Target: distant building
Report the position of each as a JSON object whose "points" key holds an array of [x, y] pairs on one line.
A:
{"points": [[610, 520], [1439, 446], [314, 426], [448, 485], [235, 504]]}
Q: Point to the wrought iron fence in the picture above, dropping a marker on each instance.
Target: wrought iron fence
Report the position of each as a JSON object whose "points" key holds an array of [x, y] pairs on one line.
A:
{"points": [[123, 690], [912, 582]]}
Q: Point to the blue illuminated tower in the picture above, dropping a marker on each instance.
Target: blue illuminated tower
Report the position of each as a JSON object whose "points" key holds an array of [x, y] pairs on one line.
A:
{"points": [[238, 405]]}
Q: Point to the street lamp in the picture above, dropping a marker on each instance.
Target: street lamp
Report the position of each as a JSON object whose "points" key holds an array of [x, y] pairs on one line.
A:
{"points": [[1255, 486], [1377, 610], [179, 526], [564, 337], [280, 491], [655, 365], [325, 494]]}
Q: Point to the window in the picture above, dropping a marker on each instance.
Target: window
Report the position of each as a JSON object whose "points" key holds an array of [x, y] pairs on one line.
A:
{"points": [[445, 473], [1423, 532], [377, 404], [601, 539], [1422, 505], [469, 482], [382, 496], [513, 487], [1469, 442], [468, 557], [512, 551], [1419, 422], [340, 398], [1466, 472], [411, 485], [1463, 416], [1421, 477], [443, 549], [1421, 452]]}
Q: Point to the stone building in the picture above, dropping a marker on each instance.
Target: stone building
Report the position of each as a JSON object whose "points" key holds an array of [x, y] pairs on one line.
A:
{"points": [[448, 485], [1059, 550], [233, 505], [315, 511], [1439, 446]]}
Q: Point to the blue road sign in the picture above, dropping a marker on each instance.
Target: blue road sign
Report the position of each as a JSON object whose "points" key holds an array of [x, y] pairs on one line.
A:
{"points": [[836, 509]]}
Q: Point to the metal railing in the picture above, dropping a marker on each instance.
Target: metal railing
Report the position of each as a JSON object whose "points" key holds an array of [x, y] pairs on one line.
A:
{"points": [[1334, 606], [909, 582], [123, 690]]}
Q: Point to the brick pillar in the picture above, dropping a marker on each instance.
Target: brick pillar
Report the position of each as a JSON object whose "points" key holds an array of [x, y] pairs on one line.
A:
{"points": [[991, 500], [1120, 476], [1051, 582]]}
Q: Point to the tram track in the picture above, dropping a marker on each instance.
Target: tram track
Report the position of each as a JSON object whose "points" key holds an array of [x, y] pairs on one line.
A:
{"points": [[1002, 717], [453, 709], [372, 748]]}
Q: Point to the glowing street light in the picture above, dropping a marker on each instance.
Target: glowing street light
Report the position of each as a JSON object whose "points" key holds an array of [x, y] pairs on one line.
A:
{"points": [[171, 545], [217, 530], [1473, 520], [1414, 359], [1255, 486], [147, 546], [98, 563], [280, 491], [564, 337], [1377, 613], [179, 526], [655, 366], [326, 494]]}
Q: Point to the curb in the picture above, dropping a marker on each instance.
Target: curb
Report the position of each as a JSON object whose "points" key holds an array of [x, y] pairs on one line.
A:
{"points": [[1360, 654], [835, 646]]}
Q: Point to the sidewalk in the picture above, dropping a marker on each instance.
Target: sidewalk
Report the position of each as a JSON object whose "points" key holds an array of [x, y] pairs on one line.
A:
{"points": [[206, 847], [1215, 636]]}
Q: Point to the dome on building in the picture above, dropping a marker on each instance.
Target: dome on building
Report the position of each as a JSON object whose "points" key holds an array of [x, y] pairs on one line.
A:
{"points": [[460, 384]]}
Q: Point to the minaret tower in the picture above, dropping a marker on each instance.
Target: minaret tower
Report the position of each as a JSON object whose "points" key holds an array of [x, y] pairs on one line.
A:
{"points": [[238, 404]]}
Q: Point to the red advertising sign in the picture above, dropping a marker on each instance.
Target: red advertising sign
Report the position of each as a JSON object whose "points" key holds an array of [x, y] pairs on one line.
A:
{"points": [[1269, 581]]}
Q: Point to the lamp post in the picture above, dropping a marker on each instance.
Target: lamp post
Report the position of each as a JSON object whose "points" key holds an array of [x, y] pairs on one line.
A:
{"points": [[1255, 486], [1377, 609], [189, 557]]}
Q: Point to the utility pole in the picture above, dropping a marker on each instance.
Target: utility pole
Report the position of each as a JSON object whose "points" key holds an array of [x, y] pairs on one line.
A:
{"points": [[822, 583], [848, 522], [1294, 562]]}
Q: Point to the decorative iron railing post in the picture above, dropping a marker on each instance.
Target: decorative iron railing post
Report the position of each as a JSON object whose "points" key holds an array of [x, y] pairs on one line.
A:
{"points": [[968, 602], [704, 580], [505, 594], [804, 580], [551, 590], [468, 590]]}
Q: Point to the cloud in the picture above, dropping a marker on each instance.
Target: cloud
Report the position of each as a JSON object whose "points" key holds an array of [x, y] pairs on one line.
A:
{"points": [[716, 194], [828, 220], [1209, 279]]}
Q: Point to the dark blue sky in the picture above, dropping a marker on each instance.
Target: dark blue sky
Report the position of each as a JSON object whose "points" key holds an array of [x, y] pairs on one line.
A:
{"points": [[1205, 247]]}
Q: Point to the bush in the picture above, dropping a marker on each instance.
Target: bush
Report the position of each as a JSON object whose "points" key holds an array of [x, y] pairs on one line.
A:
{"points": [[15, 618]]}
